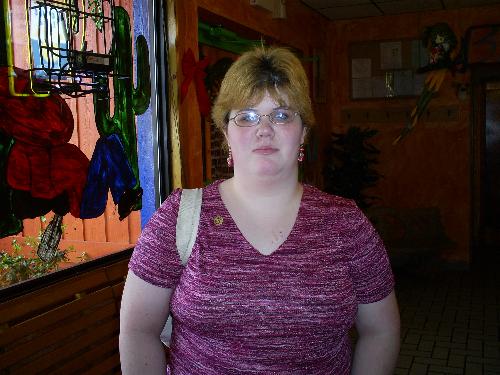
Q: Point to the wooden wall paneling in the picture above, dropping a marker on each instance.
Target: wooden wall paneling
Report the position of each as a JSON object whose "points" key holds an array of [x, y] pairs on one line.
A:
{"points": [[134, 226], [94, 229], [88, 340], [73, 227], [189, 115], [57, 328], [20, 331], [42, 301], [113, 227], [84, 136], [77, 364], [116, 230], [175, 157], [398, 116], [431, 166], [105, 366], [31, 227], [60, 340]]}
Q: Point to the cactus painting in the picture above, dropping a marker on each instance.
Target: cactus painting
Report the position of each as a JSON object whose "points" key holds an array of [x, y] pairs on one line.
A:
{"points": [[128, 101]]}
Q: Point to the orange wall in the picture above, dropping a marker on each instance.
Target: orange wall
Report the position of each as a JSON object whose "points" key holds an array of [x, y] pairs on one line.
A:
{"points": [[302, 29], [432, 166]]}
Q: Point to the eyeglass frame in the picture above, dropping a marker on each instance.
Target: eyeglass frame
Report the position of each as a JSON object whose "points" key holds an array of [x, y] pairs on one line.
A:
{"points": [[295, 113]]}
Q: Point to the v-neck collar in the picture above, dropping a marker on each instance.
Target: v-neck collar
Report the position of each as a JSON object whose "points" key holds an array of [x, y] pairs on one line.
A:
{"points": [[244, 239]]}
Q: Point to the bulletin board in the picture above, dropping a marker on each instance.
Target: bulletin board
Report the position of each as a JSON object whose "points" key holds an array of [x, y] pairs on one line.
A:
{"points": [[483, 44], [386, 69]]}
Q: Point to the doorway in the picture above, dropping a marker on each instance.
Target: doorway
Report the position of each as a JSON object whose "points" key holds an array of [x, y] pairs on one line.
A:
{"points": [[486, 164], [491, 173]]}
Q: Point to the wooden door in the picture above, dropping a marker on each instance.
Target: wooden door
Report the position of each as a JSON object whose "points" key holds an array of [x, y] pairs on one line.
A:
{"points": [[485, 155]]}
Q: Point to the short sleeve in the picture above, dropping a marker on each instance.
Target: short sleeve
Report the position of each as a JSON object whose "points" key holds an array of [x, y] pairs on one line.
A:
{"points": [[370, 267], [155, 258]]}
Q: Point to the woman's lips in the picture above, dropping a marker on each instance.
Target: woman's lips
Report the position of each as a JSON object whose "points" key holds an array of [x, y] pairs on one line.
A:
{"points": [[265, 150]]}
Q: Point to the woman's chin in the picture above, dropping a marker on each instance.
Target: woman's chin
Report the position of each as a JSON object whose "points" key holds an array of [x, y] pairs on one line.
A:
{"points": [[267, 169]]}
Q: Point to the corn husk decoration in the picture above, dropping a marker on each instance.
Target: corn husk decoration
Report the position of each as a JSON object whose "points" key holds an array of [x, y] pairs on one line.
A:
{"points": [[441, 43], [49, 243]]}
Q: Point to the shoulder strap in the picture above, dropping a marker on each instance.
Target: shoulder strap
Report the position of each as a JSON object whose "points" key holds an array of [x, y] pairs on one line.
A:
{"points": [[188, 220], [186, 230]]}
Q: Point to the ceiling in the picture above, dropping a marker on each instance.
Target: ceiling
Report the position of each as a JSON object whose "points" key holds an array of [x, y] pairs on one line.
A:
{"points": [[349, 9]]}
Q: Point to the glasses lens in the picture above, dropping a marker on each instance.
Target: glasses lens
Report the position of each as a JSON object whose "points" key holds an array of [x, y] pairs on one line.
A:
{"points": [[282, 116], [247, 119]]}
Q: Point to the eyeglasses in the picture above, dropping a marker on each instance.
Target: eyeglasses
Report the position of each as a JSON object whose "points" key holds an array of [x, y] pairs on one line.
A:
{"points": [[251, 118]]}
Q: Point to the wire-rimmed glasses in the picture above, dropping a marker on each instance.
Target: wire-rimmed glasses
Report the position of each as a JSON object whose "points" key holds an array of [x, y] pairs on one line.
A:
{"points": [[281, 116]]}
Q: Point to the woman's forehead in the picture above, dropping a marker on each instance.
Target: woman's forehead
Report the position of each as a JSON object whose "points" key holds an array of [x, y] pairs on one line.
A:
{"points": [[277, 99]]}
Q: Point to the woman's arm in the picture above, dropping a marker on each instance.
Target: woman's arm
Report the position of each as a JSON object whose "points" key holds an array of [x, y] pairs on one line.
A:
{"points": [[144, 310], [378, 342]]}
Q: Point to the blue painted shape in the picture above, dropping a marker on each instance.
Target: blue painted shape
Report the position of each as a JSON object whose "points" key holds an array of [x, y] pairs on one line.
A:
{"points": [[146, 152]]}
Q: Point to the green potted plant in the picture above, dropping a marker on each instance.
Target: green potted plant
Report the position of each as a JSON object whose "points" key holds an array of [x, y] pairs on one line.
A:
{"points": [[349, 165], [16, 267]]}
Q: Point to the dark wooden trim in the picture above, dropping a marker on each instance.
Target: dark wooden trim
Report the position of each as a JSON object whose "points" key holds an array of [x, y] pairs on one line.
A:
{"points": [[52, 327], [32, 285], [480, 74]]}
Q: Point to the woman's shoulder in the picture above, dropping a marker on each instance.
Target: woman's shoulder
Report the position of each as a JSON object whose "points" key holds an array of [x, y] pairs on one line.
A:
{"points": [[170, 203], [170, 206], [331, 209], [321, 199], [173, 200]]}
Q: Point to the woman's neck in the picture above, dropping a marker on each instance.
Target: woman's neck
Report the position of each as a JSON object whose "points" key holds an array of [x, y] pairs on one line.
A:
{"points": [[265, 190]]}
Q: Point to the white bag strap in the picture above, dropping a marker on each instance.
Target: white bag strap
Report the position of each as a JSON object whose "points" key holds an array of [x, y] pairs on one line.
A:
{"points": [[188, 219], [186, 230]]}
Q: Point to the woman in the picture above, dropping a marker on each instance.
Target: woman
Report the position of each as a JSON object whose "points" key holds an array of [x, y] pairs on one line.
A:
{"points": [[280, 271]]}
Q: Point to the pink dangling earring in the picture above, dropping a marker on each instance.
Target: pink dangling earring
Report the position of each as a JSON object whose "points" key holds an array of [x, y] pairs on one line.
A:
{"points": [[300, 158], [230, 158]]}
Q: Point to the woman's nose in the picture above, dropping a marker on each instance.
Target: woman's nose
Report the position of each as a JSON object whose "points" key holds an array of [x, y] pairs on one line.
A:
{"points": [[265, 126]]}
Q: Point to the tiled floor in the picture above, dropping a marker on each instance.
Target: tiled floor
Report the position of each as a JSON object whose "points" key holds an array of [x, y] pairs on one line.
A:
{"points": [[450, 321]]}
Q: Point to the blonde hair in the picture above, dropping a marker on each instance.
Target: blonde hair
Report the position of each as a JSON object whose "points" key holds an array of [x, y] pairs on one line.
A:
{"points": [[275, 70]]}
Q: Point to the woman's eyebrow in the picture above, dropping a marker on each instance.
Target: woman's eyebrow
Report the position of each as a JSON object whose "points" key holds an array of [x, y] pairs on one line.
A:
{"points": [[255, 109], [246, 109]]}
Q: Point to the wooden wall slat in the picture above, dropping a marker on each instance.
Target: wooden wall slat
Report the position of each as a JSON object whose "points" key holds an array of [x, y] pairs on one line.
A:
{"points": [[56, 315], [39, 302], [65, 338], [73, 226], [31, 227], [79, 363], [117, 292], [76, 346], [57, 337], [116, 272], [134, 226], [116, 230], [94, 229], [104, 367]]}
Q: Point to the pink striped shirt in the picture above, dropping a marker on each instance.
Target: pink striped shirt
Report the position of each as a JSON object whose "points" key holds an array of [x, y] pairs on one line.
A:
{"points": [[237, 311]]}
